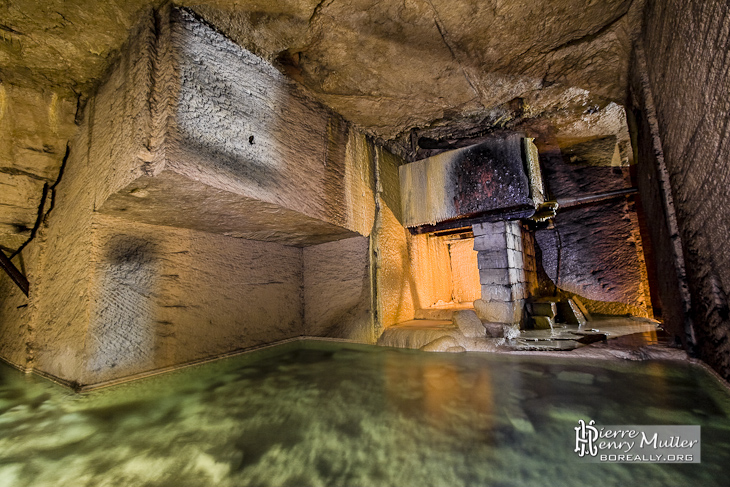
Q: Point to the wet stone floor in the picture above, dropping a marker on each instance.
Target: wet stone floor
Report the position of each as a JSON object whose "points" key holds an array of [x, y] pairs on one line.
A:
{"points": [[329, 414]]}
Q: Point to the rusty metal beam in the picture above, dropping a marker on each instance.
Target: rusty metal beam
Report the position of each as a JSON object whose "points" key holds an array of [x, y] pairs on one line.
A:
{"points": [[594, 198], [549, 209], [467, 223], [17, 276]]}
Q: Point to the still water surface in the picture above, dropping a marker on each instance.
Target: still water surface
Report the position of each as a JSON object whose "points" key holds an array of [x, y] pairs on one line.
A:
{"points": [[330, 414]]}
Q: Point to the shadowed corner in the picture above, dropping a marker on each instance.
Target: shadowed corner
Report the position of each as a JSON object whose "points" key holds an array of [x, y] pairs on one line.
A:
{"points": [[121, 331]]}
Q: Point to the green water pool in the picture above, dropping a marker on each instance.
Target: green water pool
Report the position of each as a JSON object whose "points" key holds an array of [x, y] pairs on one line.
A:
{"points": [[331, 414]]}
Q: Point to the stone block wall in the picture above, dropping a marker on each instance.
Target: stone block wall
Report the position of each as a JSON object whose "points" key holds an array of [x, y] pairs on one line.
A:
{"points": [[506, 271], [336, 290]]}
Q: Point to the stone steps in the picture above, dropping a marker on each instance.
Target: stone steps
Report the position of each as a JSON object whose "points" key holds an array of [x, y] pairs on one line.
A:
{"points": [[546, 311]]}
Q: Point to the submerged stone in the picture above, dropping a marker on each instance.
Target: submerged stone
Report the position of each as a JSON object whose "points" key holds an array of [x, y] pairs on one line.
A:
{"points": [[578, 377]]}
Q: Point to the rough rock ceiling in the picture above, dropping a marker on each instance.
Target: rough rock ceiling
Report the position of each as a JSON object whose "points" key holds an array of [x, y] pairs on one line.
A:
{"points": [[386, 65], [405, 71]]}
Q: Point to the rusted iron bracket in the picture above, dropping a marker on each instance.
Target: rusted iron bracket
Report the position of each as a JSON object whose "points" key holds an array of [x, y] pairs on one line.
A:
{"points": [[17, 276]]}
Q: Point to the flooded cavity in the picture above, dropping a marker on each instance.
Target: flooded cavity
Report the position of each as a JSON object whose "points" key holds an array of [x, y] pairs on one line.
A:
{"points": [[326, 414]]}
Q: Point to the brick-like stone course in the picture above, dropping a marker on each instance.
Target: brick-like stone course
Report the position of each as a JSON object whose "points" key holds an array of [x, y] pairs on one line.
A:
{"points": [[506, 259]]}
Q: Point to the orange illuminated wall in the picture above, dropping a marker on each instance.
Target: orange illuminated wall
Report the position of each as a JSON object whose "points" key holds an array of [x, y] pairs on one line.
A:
{"points": [[464, 270]]}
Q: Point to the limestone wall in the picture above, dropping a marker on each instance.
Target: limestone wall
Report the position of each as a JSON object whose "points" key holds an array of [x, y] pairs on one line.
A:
{"points": [[104, 152], [337, 290], [140, 263], [34, 128], [657, 202], [464, 270], [596, 252], [164, 296], [430, 270], [685, 45], [17, 311], [396, 298]]}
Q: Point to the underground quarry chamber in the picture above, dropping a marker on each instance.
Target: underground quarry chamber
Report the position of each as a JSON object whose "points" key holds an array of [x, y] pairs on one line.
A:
{"points": [[353, 243], [220, 207]]}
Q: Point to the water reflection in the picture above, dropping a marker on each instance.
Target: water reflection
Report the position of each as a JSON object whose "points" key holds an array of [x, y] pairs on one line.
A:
{"points": [[439, 392], [331, 414]]}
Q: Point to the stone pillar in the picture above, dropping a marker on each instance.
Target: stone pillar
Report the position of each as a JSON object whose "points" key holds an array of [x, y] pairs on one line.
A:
{"points": [[503, 272]]}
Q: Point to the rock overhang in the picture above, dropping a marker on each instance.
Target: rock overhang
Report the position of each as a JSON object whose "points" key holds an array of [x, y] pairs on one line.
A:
{"points": [[385, 66], [398, 71], [226, 144]]}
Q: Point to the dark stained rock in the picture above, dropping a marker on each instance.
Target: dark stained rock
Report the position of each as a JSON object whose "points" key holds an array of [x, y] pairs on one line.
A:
{"points": [[487, 178], [595, 252], [565, 178], [680, 90]]}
